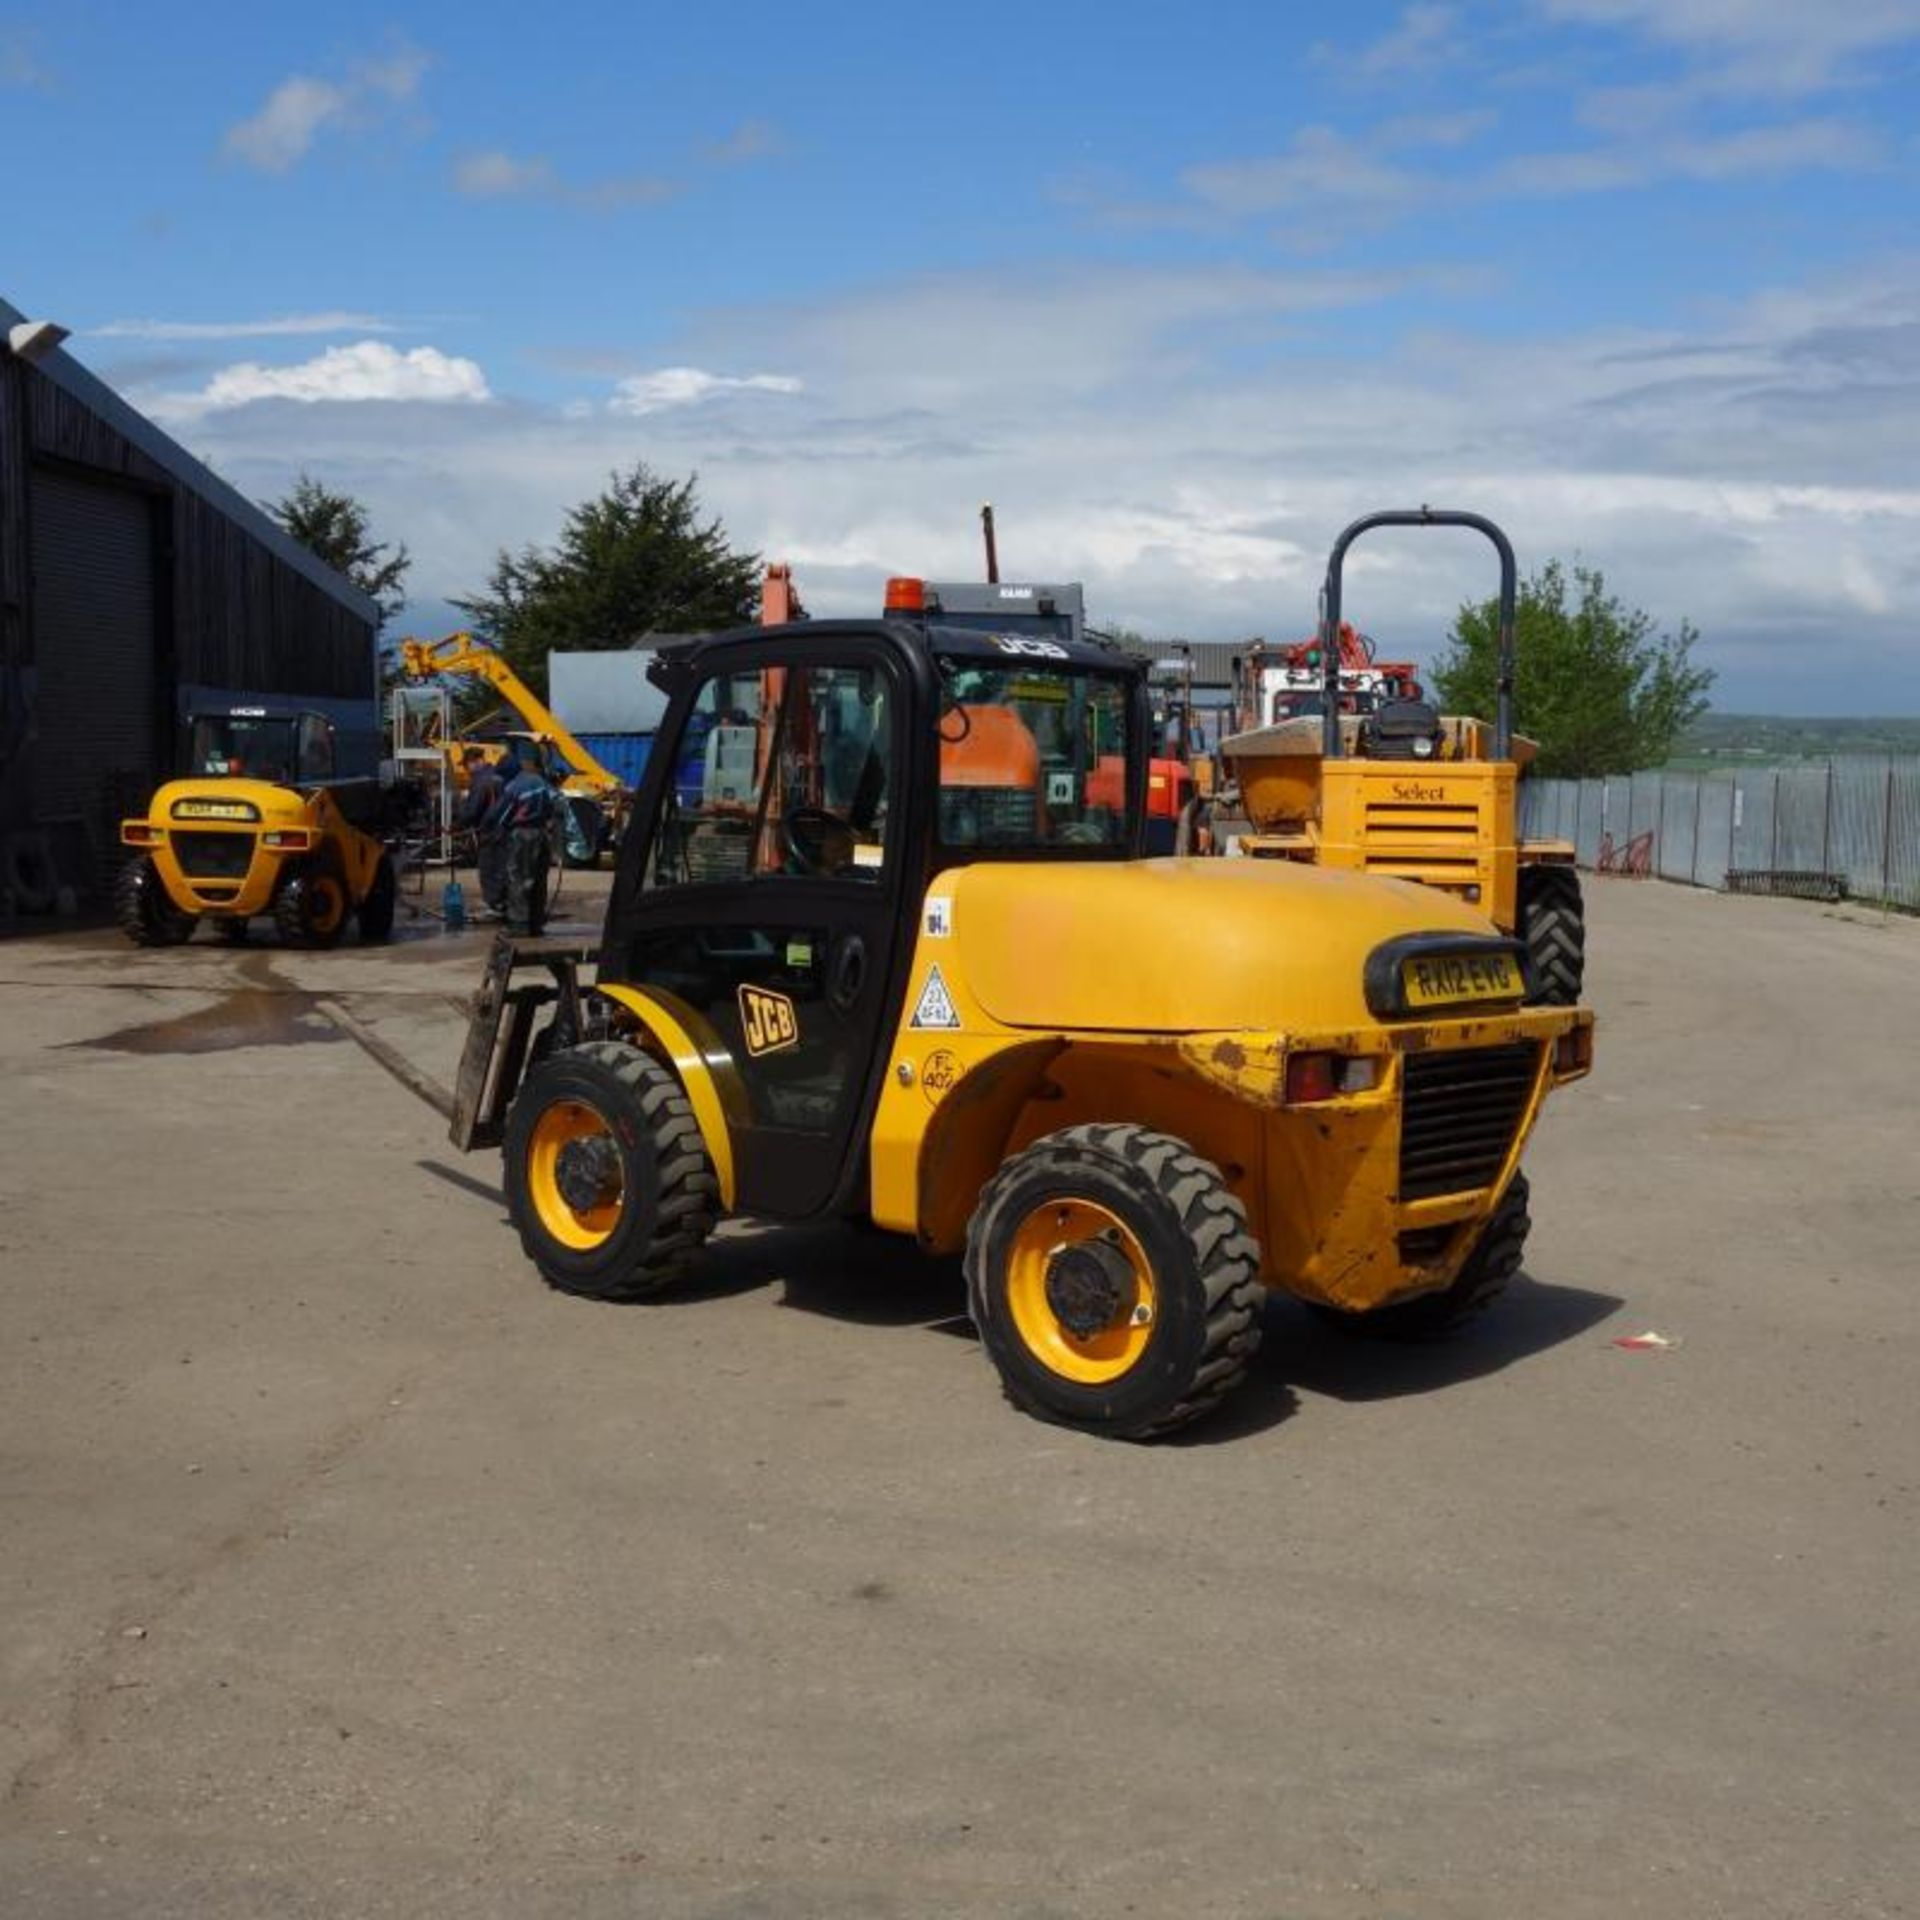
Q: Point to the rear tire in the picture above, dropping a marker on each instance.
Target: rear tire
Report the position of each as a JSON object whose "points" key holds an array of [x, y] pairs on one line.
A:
{"points": [[1553, 928], [376, 910], [1114, 1281], [1494, 1261], [144, 908], [608, 1180], [310, 910]]}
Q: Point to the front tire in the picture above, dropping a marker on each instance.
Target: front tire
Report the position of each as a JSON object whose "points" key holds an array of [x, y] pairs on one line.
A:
{"points": [[608, 1180], [1494, 1261], [1114, 1282], [145, 910], [1553, 929], [310, 910]]}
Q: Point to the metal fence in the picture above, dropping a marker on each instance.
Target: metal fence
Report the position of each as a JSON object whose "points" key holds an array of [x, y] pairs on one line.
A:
{"points": [[1849, 826]]}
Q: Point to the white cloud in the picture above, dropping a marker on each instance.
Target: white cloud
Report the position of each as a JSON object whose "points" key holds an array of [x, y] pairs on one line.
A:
{"points": [[282, 131], [1160, 434], [642, 393], [301, 107], [1425, 36], [750, 140], [286, 323], [20, 65], [1774, 47], [1801, 146], [368, 370], [496, 175], [1322, 166]]}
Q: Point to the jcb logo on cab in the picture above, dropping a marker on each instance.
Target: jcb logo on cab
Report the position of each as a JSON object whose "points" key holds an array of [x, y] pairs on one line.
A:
{"points": [[767, 1020]]}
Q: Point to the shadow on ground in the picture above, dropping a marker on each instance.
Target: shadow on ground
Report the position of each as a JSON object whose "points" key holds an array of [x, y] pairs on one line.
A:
{"points": [[1306, 1351]]}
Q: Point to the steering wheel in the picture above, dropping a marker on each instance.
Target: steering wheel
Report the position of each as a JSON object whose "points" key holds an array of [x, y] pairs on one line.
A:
{"points": [[817, 841]]}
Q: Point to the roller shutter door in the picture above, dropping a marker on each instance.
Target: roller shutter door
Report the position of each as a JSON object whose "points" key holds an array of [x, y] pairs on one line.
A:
{"points": [[93, 643]]}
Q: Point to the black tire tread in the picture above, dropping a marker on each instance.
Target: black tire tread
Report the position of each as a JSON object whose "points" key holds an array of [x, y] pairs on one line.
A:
{"points": [[1492, 1264], [290, 914], [689, 1205], [1553, 927], [146, 915], [1226, 1255]]}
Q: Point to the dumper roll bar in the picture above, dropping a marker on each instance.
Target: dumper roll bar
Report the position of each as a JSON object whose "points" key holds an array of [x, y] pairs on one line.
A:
{"points": [[1330, 617]]}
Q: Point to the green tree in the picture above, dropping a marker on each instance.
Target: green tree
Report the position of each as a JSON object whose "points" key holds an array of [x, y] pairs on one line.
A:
{"points": [[335, 526], [634, 560], [1594, 684]]}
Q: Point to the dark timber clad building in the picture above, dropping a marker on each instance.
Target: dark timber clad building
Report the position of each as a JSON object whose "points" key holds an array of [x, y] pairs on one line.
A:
{"points": [[135, 584]]}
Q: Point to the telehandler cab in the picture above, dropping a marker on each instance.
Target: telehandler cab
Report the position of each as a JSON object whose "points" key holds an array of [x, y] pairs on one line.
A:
{"points": [[879, 945]]}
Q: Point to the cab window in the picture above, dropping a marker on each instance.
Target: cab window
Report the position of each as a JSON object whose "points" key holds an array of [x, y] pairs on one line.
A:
{"points": [[316, 748], [1031, 756], [780, 773]]}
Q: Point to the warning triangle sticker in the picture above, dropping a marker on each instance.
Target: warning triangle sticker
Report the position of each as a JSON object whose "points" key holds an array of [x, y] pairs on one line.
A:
{"points": [[936, 1008]]}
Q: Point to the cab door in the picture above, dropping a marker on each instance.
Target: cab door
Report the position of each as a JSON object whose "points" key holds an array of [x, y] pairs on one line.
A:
{"points": [[766, 894]]}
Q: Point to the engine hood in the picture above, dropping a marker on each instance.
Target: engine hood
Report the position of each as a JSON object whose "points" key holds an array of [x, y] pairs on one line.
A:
{"points": [[1183, 946]]}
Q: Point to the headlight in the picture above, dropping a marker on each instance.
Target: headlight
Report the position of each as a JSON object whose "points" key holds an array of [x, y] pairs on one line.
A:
{"points": [[1423, 749]]}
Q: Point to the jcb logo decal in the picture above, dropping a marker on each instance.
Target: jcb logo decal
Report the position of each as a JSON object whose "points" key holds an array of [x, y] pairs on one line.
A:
{"points": [[767, 1020]]}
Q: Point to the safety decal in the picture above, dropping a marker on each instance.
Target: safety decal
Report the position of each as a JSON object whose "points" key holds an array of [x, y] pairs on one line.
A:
{"points": [[939, 920], [939, 1075], [768, 1021], [936, 1008]]}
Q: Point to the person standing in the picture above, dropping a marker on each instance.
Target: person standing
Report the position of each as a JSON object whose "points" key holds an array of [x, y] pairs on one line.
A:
{"points": [[485, 782], [524, 815]]}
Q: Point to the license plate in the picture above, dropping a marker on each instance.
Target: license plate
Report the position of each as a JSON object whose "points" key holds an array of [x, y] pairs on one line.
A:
{"points": [[1454, 979], [214, 810]]}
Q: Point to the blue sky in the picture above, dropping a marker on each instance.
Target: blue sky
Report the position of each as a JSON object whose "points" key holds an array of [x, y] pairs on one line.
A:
{"points": [[1181, 290]]}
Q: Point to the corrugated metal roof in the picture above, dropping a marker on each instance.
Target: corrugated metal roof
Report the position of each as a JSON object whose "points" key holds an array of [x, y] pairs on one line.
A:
{"points": [[97, 397], [1212, 659]]}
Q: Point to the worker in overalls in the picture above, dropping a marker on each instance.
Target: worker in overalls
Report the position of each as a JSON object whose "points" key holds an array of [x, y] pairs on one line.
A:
{"points": [[523, 815]]}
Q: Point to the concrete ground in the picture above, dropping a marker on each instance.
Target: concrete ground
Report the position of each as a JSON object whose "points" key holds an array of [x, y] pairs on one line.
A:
{"points": [[349, 1571]]}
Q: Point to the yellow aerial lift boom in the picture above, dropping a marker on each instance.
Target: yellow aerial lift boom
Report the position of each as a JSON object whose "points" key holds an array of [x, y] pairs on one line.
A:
{"points": [[587, 780]]}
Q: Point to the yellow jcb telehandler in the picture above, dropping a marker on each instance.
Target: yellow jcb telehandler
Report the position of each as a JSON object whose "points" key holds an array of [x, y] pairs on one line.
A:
{"points": [[880, 944], [259, 826]]}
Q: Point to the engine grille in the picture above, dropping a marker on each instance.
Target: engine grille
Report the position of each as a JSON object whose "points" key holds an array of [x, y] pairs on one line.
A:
{"points": [[213, 856], [1459, 1114]]}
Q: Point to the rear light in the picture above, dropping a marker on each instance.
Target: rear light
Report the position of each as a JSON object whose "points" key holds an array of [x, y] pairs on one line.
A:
{"points": [[906, 595], [136, 833], [288, 840], [1313, 1077], [1573, 1051]]}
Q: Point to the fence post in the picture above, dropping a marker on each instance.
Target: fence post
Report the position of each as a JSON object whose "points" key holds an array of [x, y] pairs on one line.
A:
{"points": [[1693, 871], [1886, 845], [1773, 843], [1826, 823], [1735, 808], [1659, 826]]}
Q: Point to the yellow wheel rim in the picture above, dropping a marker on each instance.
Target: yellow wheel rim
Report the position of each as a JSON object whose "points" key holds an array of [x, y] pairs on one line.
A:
{"points": [[565, 1124], [1095, 1355], [329, 904]]}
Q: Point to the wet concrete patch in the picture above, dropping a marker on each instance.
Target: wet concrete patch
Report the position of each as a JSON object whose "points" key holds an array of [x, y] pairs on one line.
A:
{"points": [[249, 1018]]}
